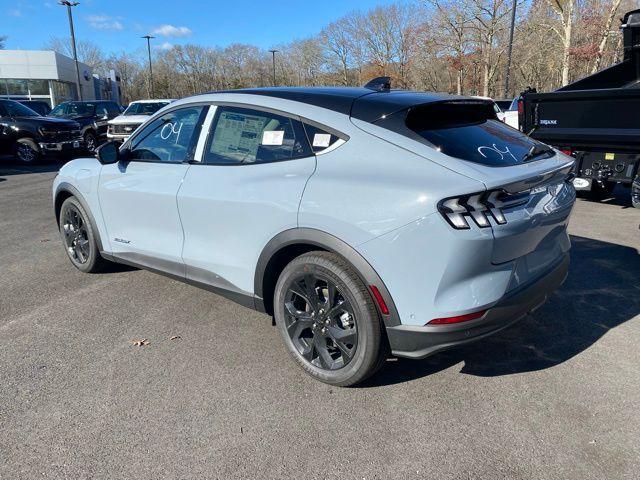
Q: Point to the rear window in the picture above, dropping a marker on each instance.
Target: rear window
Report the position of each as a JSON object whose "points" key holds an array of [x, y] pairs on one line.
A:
{"points": [[470, 131]]}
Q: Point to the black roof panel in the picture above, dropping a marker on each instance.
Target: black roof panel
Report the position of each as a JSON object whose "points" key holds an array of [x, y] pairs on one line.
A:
{"points": [[358, 102], [339, 99]]}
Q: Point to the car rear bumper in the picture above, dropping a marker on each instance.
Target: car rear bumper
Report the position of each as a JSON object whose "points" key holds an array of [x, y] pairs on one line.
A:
{"points": [[421, 341]]}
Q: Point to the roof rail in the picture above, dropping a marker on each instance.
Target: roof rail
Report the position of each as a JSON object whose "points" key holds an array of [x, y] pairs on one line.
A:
{"points": [[379, 84]]}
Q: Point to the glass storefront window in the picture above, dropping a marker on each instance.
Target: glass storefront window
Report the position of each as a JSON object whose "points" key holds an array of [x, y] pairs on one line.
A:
{"points": [[39, 87], [63, 91], [17, 87]]}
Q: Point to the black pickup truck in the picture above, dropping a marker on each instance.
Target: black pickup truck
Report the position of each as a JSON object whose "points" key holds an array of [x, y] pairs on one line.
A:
{"points": [[29, 136], [93, 117], [597, 120]]}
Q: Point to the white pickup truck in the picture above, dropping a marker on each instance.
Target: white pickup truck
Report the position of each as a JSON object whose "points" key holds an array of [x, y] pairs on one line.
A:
{"points": [[121, 127]]}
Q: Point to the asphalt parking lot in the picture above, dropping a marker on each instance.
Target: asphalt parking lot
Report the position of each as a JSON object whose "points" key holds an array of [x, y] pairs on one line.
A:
{"points": [[555, 396]]}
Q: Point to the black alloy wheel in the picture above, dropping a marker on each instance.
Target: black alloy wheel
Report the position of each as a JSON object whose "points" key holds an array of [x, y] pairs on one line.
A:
{"points": [[76, 237], [320, 321], [328, 320], [26, 151]]}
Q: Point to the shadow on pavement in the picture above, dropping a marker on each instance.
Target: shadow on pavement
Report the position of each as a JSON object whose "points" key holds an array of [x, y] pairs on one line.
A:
{"points": [[621, 197], [601, 292], [10, 166]]}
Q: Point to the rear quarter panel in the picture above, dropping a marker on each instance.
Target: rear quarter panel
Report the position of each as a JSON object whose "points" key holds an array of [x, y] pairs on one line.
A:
{"points": [[369, 187]]}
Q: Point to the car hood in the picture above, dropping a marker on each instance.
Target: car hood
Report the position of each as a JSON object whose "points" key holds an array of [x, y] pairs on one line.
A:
{"points": [[80, 118], [129, 120], [52, 122]]}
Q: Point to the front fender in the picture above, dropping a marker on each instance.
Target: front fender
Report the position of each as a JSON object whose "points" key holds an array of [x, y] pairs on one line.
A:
{"points": [[63, 191]]}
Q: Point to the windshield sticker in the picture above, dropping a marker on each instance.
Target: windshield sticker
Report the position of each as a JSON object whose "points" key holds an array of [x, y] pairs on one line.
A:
{"points": [[321, 140], [272, 137]]}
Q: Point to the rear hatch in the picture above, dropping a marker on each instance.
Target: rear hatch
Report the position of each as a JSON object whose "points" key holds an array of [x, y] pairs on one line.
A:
{"points": [[525, 179]]}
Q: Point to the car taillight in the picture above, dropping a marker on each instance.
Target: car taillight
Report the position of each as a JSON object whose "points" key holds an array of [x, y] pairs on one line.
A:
{"points": [[457, 318], [566, 151], [480, 207], [520, 107]]}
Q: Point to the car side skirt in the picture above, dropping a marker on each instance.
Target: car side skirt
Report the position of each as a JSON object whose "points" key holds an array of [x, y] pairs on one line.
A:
{"points": [[176, 271]]}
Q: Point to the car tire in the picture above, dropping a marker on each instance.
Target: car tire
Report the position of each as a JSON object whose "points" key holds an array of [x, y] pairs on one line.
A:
{"points": [[635, 192], [27, 151], [90, 142], [328, 320], [79, 238]]}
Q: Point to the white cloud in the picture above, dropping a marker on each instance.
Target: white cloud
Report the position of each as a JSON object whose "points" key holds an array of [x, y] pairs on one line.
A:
{"points": [[164, 46], [105, 22], [172, 31]]}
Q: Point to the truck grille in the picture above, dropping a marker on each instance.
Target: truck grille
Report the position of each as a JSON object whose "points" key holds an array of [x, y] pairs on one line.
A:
{"points": [[126, 129], [63, 135]]}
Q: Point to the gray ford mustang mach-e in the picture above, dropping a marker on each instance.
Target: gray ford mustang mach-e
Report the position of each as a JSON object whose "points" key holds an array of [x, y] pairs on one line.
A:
{"points": [[368, 221]]}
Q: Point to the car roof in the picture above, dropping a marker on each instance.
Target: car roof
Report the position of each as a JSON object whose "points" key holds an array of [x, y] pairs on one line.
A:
{"points": [[359, 102], [154, 100]]}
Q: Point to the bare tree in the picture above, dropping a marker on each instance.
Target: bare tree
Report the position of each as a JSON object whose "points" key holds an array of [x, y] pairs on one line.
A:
{"points": [[337, 41], [565, 10], [454, 46], [453, 21], [88, 52], [606, 34]]}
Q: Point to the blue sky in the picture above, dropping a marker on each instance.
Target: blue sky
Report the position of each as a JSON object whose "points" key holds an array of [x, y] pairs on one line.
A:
{"points": [[117, 25]]}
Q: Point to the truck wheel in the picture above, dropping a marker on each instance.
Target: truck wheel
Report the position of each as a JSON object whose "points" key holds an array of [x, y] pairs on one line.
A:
{"points": [[27, 151], [90, 142], [635, 192], [328, 320]]}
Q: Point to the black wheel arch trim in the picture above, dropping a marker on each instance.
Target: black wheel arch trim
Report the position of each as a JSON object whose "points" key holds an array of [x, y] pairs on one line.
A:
{"points": [[73, 191], [325, 241]]}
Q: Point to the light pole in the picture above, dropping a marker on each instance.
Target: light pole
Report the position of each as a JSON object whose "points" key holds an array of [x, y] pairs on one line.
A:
{"points": [[151, 92], [273, 58], [513, 26], [73, 41]]}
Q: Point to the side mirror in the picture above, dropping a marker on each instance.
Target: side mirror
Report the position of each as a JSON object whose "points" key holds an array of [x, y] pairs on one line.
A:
{"points": [[108, 153]]}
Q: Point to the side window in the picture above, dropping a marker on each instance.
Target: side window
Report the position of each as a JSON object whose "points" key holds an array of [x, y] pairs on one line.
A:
{"points": [[319, 139], [101, 110], [245, 136], [3, 111], [169, 138]]}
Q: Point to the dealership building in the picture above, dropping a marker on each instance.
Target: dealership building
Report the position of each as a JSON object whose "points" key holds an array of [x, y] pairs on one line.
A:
{"points": [[50, 76]]}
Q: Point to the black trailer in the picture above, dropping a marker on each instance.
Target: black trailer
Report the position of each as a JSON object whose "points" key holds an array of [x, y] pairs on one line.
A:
{"points": [[597, 120]]}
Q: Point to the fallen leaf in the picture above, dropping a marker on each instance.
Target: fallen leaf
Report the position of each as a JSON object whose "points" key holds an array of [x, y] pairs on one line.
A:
{"points": [[44, 240], [175, 337], [141, 343]]}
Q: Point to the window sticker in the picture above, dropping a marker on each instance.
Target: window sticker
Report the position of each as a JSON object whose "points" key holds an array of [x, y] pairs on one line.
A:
{"points": [[237, 135], [272, 137], [321, 140]]}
